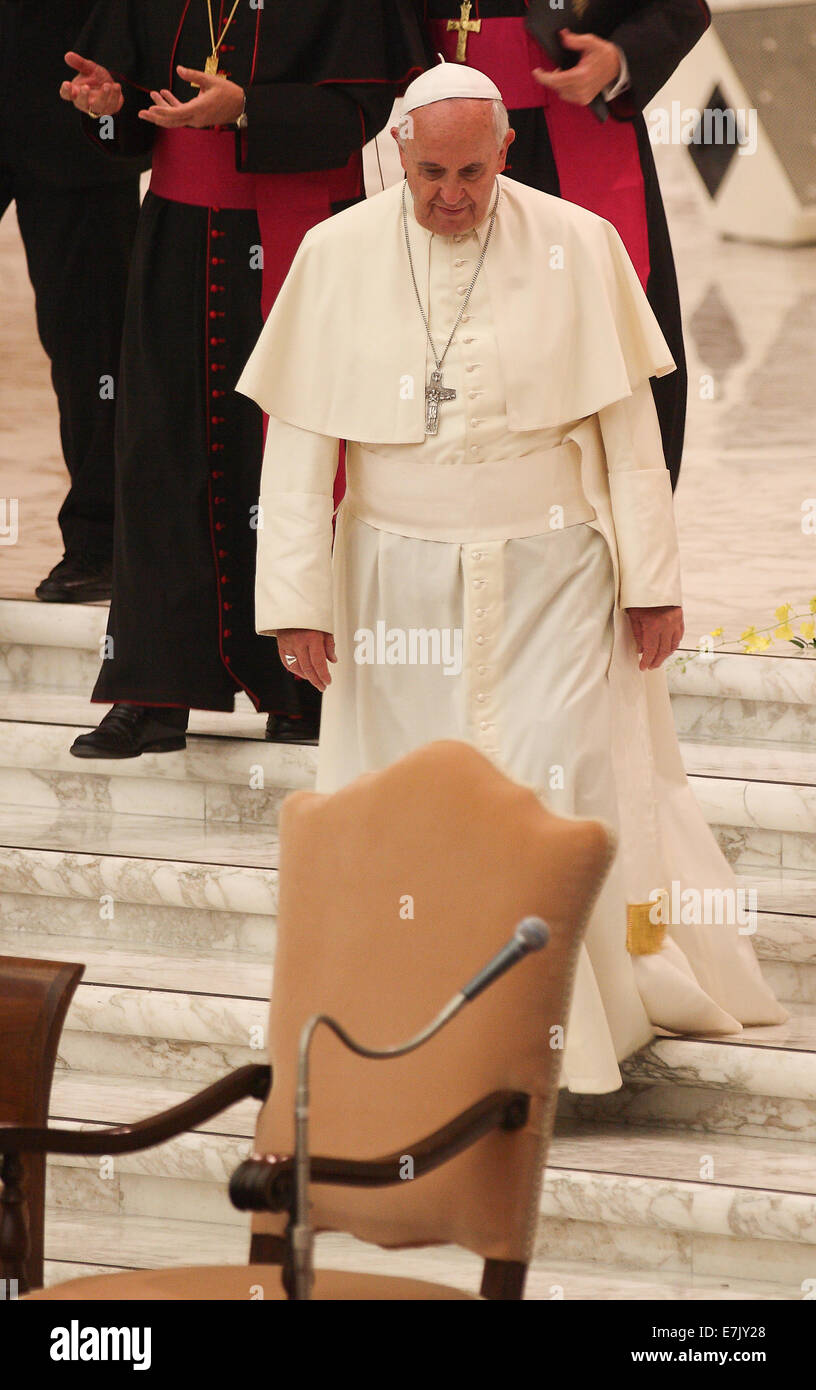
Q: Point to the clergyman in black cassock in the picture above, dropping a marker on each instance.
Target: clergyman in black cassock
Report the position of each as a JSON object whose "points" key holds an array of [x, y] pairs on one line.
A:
{"points": [[218, 229], [563, 149], [77, 213]]}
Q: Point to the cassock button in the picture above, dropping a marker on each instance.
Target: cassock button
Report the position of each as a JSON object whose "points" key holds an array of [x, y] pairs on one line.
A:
{"points": [[461, 289], [481, 670], [481, 698], [222, 554], [480, 639], [480, 612], [484, 725], [227, 631]]}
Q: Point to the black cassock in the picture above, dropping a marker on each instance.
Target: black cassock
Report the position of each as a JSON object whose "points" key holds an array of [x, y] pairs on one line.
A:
{"points": [[320, 77], [654, 35]]}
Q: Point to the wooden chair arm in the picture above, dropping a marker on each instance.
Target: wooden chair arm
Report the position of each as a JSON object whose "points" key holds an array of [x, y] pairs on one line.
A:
{"points": [[143, 1134], [268, 1183]]}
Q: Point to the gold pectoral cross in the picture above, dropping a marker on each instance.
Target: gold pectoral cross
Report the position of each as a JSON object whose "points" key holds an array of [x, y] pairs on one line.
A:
{"points": [[464, 26], [211, 65]]}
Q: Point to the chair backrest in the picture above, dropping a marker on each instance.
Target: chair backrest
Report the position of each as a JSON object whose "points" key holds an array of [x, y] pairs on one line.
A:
{"points": [[394, 892], [34, 999]]}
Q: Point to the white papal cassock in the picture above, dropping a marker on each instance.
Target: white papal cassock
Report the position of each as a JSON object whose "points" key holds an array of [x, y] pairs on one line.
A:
{"points": [[480, 575]]}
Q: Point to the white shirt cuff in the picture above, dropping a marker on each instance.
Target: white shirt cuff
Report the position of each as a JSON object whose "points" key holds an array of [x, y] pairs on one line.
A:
{"points": [[621, 83]]}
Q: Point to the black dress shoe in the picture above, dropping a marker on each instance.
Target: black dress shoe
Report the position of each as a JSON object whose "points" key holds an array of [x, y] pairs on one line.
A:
{"points": [[127, 731], [281, 728], [77, 579]]}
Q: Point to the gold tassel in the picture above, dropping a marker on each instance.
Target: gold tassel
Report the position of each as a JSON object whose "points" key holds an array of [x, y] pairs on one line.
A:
{"points": [[644, 937]]}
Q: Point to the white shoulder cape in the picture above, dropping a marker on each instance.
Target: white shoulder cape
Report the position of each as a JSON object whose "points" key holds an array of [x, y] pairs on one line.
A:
{"points": [[346, 333]]}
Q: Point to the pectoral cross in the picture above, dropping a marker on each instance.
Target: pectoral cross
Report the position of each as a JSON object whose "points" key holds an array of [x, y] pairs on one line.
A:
{"points": [[435, 392], [464, 26]]}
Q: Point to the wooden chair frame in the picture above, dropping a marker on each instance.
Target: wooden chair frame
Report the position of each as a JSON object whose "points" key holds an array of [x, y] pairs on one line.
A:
{"points": [[259, 1183]]}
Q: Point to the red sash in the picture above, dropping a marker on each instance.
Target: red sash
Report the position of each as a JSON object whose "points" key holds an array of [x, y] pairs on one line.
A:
{"points": [[598, 165], [198, 167]]}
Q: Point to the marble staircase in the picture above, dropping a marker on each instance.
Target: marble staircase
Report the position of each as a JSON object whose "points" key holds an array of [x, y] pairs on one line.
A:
{"points": [[696, 1180]]}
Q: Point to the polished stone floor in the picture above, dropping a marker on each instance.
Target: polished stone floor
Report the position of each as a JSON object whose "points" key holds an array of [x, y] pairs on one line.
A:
{"points": [[750, 464]]}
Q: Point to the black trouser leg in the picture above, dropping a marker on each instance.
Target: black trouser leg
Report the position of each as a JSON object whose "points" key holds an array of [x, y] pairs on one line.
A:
{"points": [[174, 718], [78, 244]]}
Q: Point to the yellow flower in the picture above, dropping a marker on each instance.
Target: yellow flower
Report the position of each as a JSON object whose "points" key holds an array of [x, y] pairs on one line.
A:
{"points": [[762, 643], [784, 612], [808, 630], [748, 635], [813, 605], [716, 632], [784, 632]]}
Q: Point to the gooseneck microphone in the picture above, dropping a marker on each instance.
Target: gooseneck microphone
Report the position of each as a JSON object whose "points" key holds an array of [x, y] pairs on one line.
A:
{"points": [[530, 935]]}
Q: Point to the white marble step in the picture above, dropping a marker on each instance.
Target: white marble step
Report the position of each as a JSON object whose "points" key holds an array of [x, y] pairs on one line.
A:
{"points": [[706, 1204], [134, 878], [81, 1098], [760, 823], [232, 974], [744, 699], [50, 645], [115, 1242], [786, 947], [761, 762], [223, 778], [142, 1012], [69, 705], [761, 1082], [119, 834], [703, 1204], [781, 890], [612, 1195]]}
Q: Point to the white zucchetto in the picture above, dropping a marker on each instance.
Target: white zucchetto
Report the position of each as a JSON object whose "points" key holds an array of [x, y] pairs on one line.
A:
{"points": [[447, 82]]}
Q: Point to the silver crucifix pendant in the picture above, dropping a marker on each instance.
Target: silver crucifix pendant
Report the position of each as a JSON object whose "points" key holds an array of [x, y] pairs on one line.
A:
{"points": [[434, 393]]}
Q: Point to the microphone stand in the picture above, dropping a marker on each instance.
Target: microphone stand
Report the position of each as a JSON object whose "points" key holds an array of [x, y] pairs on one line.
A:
{"points": [[530, 935]]}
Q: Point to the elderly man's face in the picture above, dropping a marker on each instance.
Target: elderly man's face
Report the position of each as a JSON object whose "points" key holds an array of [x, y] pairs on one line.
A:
{"points": [[451, 163]]}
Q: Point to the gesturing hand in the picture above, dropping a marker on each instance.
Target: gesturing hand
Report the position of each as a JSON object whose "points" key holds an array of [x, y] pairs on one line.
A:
{"points": [[93, 90], [598, 66], [312, 651], [219, 102], [658, 632]]}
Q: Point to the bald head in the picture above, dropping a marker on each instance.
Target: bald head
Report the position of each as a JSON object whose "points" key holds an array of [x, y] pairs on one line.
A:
{"points": [[451, 152]]}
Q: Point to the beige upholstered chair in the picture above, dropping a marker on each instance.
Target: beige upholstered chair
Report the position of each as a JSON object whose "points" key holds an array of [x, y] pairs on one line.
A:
{"points": [[394, 892]]}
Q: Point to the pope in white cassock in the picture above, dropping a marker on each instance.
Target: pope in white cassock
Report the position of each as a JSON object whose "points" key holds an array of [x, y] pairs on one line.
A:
{"points": [[505, 567]]}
